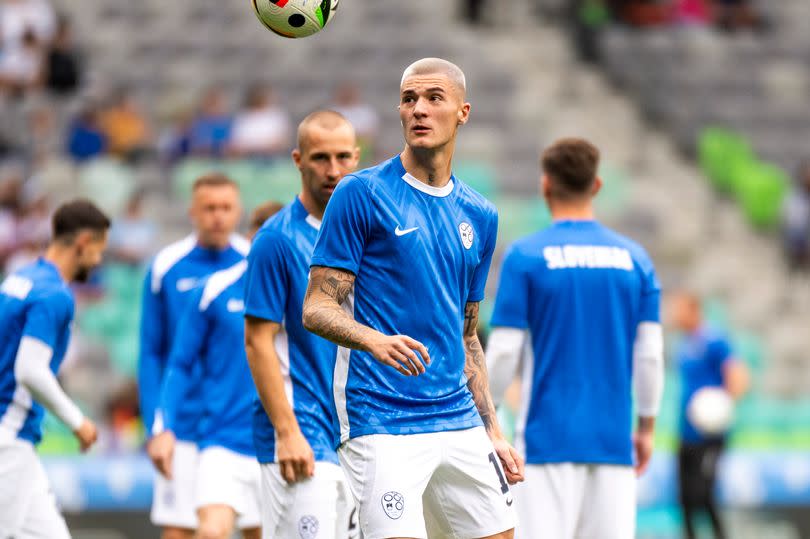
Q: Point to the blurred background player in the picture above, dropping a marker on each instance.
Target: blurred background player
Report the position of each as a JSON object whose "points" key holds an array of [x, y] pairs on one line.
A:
{"points": [[294, 424], [175, 271], [583, 303], [404, 251], [706, 360], [260, 214], [36, 313], [211, 336]]}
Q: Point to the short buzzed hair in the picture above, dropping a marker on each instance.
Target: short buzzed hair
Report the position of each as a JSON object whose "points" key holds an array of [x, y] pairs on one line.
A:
{"points": [[213, 179], [72, 217], [571, 164], [326, 119], [437, 66]]}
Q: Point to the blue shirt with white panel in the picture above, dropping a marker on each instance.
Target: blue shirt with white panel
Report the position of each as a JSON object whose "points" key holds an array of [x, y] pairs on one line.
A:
{"points": [[581, 290], [211, 335], [419, 255], [702, 357], [175, 272], [34, 302], [276, 283]]}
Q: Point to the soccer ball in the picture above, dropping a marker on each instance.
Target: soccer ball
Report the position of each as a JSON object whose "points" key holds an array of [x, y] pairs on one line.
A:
{"points": [[295, 18], [711, 411]]}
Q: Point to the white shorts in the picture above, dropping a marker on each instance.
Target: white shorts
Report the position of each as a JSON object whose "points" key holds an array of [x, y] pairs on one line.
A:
{"points": [[576, 501], [173, 502], [228, 478], [27, 505], [443, 484], [319, 507]]}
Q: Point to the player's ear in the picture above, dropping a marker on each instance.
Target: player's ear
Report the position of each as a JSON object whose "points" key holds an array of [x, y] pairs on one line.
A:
{"points": [[464, 114], [545, 187], [296, 157], [597, 186]]}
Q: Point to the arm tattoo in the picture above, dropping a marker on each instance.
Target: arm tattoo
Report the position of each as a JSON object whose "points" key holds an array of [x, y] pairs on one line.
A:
{"points": [[475, 368], [324, 314]]}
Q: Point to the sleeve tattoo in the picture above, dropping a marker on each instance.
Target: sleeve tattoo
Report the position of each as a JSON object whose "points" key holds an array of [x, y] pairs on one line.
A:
{"points": [[324, 314], [475, 368]]}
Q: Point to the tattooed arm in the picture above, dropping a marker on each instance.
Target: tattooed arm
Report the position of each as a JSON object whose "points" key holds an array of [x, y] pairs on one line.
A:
{"points": [[475, 368], [324, 315]]}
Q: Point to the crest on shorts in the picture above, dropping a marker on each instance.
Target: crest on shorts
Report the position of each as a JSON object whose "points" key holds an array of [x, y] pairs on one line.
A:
{"points": [[308, 527], [393, 504], [467, 234]]}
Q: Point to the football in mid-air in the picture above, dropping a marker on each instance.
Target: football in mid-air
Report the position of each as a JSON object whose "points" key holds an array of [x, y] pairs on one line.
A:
{"points": [[295, 18], [711, 411]]}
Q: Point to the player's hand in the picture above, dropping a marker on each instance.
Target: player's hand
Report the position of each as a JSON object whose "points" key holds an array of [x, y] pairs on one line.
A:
{"points": [[643, 441], [161, 451], [400, 352], [512, 463], [87, 434], [296, 461]]}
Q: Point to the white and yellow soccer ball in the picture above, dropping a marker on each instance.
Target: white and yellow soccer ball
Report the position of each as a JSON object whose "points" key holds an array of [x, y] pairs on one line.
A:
{"points": [[295, 18], [711, 411]]}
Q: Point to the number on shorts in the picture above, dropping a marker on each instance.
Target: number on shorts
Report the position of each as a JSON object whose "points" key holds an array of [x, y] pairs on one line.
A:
{"points": [[494, 460], [353, 531]]}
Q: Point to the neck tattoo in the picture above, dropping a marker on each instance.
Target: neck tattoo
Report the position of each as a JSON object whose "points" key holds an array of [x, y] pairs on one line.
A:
{"points": [[431, 179]]}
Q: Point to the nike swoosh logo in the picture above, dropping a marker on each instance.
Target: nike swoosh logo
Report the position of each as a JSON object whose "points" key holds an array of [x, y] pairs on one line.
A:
{"points": [[399, 232], [509, 502]]}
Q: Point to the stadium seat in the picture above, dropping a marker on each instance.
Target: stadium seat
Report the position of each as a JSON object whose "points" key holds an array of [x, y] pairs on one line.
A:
{"points": [[761, 192], [479, 175], [108, 182]]}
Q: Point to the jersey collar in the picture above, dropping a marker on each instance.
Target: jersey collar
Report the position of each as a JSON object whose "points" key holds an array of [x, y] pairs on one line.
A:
{"points": [[301, 211], [439, 192]]}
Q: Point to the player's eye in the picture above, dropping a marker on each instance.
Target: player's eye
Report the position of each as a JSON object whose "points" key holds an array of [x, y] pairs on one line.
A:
{"points": [[436, 97]]}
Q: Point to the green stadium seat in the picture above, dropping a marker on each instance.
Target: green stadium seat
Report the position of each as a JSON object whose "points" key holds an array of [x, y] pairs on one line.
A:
{"points": [[761, 193], [518, 217], [108, 182], [720, 153], [186, 173], [479, 175]]}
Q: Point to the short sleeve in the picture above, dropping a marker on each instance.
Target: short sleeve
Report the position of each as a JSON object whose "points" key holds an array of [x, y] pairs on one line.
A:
{"points": [[346, 226], [266, 277], [479, 279], [47, 318], [650, 305], [512, 300]]}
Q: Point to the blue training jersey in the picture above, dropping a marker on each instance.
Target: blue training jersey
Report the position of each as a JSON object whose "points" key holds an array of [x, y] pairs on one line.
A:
{"points": [[277, 278], [175, 272], [34, 302], [211, 334], [581, 290], [419, 254], [701, 358]]}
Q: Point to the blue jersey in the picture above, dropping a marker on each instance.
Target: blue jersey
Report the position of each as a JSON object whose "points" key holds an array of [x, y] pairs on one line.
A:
{"points": [[581, 290], [175, 272], [419, 254], [211, 334], [34, 302], [701, 358], [277, 277]]}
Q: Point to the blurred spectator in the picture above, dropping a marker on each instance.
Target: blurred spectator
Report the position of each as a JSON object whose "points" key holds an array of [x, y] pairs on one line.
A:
{"points": [[132, 237], [174, 142], [694, 12], [41, 138], [360, 114], [85, 138], [19, 16], [62, 64], [21, 65], [125, 127], [737, 14], [262, 127], [33, 226], [10, 188], [473, 10], [796, 218], [211, 128]]}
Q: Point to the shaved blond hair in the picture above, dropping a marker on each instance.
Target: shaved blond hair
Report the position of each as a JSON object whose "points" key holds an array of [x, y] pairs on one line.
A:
{"points": [[437, 66], [325, 119]]}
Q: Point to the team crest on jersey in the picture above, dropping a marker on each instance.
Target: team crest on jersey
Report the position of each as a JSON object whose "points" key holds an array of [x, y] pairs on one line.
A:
{"points": [[467, 234], [308, 527], [393, 504]]}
